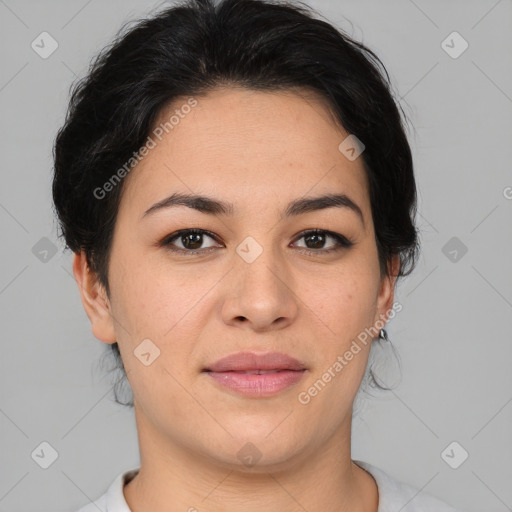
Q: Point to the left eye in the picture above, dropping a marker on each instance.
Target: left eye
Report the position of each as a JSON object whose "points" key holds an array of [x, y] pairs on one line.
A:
{"points": [[319, 236], [192, 239]]}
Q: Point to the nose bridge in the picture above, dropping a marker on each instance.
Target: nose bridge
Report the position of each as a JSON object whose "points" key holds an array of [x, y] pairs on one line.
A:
{"points": [[261, 265], [261, 291]]}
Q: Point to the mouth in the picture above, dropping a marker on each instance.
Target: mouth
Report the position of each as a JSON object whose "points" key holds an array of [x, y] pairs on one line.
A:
{"points": [[256, 375]]}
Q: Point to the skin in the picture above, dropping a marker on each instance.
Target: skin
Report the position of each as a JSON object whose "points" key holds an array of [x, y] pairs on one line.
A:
{"points": [[258, 150]]}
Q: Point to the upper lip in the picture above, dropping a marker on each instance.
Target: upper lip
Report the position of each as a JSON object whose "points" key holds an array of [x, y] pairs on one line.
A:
{"points": [[250, 361]]}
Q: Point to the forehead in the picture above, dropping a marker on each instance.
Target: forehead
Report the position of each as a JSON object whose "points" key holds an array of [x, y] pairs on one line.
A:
{"points": [[246, 145]]}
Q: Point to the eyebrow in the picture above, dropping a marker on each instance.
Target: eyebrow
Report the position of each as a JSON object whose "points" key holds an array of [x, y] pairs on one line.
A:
{"points": [[211, 206]]}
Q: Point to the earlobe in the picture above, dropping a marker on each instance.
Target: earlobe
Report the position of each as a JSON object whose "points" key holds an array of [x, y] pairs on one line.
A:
{"points": [[387, 290], [94, 300]]}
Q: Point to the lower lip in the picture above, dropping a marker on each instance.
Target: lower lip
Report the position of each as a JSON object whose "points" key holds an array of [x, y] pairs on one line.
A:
{"points": [[257, 385]]}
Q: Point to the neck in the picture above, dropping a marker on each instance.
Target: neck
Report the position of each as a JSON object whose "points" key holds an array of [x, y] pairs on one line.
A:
{"points": [[172, 477]]}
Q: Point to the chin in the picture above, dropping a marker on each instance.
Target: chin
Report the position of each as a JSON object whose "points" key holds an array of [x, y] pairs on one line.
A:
{"points": [[257, 449]]}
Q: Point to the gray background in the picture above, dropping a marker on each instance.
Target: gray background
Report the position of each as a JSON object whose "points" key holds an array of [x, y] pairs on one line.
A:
{"points": [[453, 334]]}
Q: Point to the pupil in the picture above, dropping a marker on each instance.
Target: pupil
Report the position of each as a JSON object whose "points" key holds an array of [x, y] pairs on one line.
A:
{"points": [[319, 242], [196, 240]]}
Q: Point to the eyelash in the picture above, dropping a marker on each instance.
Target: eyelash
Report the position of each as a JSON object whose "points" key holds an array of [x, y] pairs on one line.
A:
{"points": [[344, 243]]}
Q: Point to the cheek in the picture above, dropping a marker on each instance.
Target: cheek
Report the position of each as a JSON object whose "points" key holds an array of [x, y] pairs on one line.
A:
{"points": [[160, 306], [345, 303], [341, 355], [168, 307], [154, 299]]}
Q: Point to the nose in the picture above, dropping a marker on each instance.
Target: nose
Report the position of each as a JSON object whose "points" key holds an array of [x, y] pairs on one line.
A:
{"points": [[260, 296]]}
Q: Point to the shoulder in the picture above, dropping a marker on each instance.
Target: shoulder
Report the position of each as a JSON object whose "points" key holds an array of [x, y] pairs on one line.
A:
{"points": [[113, 500], [395, 495]]}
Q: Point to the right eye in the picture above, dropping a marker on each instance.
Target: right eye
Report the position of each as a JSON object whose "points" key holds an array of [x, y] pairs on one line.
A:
{"points": [[190, 240]]}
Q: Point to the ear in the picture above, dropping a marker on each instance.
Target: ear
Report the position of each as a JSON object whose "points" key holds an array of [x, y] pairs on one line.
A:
{"points": [[94, 300], [387, 290]]}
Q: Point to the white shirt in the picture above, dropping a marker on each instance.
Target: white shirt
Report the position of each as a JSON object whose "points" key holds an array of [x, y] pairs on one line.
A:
{"points": [[394, 496]]}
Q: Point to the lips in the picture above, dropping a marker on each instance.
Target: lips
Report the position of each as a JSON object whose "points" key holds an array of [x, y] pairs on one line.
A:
{"points": [[256, 375], [251, 363]]}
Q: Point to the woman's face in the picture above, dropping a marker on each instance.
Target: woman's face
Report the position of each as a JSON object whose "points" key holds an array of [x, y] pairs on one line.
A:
{"points": [[250, 286]]}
